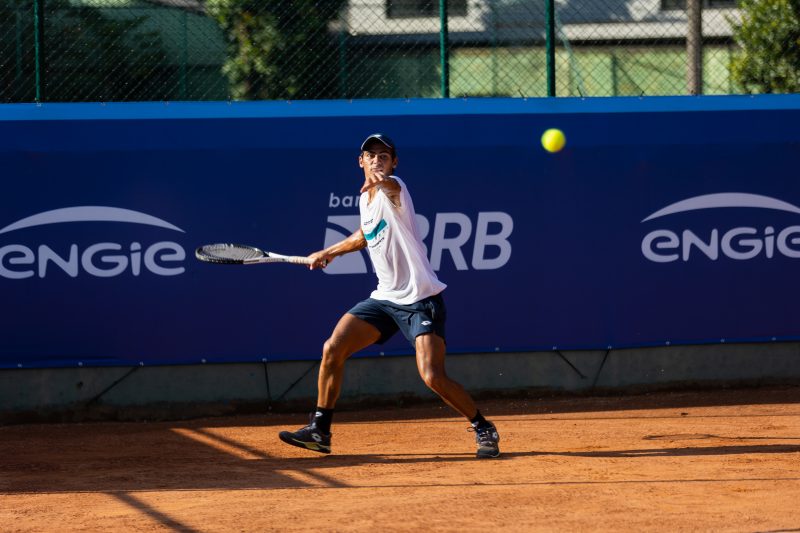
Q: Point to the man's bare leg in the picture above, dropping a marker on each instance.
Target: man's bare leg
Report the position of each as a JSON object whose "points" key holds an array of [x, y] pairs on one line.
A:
{"points": [[350, 335], [430, 363]]}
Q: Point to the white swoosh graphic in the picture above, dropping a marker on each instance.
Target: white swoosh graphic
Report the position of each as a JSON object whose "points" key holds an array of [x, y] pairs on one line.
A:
{"points": [[725, 199], [89, 213]]}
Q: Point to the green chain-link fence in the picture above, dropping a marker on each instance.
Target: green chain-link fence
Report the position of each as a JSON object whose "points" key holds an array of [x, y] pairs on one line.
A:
{"points": [[123, 50]]}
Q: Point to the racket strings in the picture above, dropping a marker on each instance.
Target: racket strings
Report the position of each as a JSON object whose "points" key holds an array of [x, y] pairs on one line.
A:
{"points": [[233, 252]]}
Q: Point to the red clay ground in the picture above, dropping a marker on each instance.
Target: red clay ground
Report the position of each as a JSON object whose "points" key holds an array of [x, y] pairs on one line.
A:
{"points": [[722, 460]]}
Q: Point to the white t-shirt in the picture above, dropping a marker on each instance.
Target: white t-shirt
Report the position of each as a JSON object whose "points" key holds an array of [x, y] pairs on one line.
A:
{"points": [[404, 273]]}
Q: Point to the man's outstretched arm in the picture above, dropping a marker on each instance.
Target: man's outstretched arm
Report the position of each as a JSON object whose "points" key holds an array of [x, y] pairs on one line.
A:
{"points": [[387, 184], [353, 243]]}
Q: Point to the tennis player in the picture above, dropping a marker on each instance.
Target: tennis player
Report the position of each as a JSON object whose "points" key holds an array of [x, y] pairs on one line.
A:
{"points": [[408, 299]]}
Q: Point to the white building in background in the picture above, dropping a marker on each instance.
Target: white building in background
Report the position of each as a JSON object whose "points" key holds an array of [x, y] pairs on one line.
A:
{"points": [[580, 21]]}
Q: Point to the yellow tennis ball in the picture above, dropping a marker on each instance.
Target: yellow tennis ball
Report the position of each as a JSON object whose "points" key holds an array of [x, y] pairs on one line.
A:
{"points": [[553, 140]]}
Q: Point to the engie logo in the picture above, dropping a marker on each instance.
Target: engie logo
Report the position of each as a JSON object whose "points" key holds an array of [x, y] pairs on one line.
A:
{"points": [[738, 243], [101, 259], [451, 233]]}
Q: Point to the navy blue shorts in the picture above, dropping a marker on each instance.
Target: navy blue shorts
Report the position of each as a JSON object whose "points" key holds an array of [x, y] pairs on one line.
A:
{"points": [[425, 316]]}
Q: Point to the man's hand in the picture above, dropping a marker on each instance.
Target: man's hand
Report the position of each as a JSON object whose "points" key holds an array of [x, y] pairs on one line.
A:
{"points": [[320, 259], [386, 183], [374, 179]]}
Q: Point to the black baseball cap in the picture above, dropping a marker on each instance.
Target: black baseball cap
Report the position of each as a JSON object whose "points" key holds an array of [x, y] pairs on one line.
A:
{"points": [[380, 137]]}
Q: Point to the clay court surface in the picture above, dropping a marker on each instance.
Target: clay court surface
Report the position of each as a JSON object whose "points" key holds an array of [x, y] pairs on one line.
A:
{"points": [[723, 460]]}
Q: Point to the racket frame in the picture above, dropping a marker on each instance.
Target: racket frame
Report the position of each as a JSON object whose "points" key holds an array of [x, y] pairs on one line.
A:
{"points": [[204, 254]]}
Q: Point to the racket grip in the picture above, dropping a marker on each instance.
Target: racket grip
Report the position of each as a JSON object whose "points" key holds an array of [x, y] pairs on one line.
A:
{"points": [[299, 260], [305, 261]]}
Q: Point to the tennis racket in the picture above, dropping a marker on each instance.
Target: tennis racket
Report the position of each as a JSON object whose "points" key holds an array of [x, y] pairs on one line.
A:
{"points": [[239, 254]]}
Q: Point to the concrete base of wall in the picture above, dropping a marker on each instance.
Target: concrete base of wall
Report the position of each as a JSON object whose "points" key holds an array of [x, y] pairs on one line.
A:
{"points": [[171, 392]]}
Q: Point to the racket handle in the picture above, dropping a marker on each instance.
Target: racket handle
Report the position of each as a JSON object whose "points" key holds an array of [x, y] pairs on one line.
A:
{"points": [[298, 260]]}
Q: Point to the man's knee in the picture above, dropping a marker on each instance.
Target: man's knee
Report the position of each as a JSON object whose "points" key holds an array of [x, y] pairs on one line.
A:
{"points": [[435, 379], [334, 352]]}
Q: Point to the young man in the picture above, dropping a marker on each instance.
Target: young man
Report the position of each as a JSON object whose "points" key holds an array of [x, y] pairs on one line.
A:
{"points": [[408, 299]]}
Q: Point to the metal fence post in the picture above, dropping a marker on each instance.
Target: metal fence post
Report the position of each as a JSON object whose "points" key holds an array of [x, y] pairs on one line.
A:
{"points": [[444, 49], [493, 11], [184, 56], [550, 45], [38, 40], [694, 45]]}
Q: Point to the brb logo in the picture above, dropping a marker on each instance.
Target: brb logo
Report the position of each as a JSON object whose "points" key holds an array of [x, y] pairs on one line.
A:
{"points": [[452, 232], [739, 242], [100, 259]]}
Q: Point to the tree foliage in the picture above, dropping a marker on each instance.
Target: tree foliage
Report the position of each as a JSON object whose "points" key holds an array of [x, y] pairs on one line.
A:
{"points": [[89, 54], [769, 37], [279, 49]]}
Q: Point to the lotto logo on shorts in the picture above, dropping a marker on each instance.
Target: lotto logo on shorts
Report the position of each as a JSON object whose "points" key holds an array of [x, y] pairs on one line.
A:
{"points": [[738, 243], [468, 244], [99, 259]]}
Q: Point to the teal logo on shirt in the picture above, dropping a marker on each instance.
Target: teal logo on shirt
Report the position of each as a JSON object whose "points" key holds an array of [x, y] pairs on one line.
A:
{"points": [[374, 233]]}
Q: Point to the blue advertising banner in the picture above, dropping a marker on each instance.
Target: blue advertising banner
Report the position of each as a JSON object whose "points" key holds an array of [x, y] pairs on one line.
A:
{"points": [[662, 221]]}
